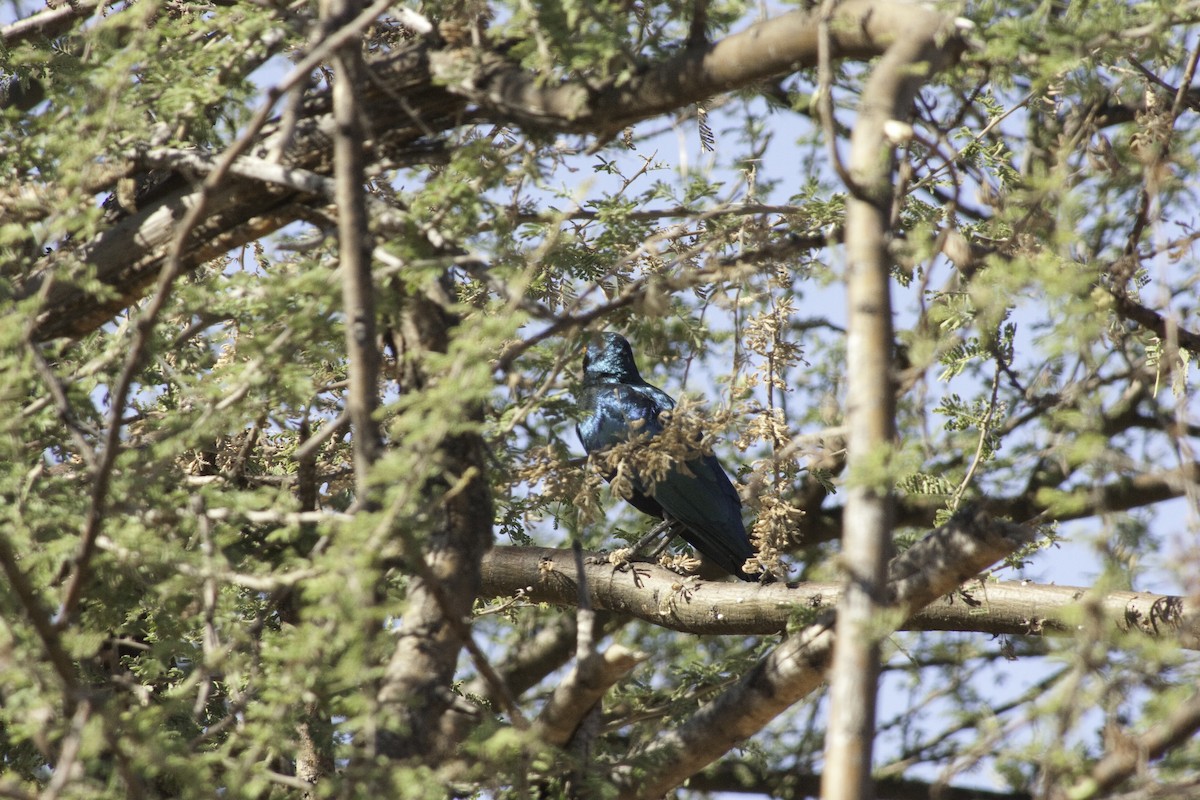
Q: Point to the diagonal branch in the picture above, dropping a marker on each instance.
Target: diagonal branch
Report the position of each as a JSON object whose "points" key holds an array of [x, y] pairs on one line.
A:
{"points": [[49, 23], [507, 92], [581, 689], [1152, 320], [936, 565], [1131, 756]]}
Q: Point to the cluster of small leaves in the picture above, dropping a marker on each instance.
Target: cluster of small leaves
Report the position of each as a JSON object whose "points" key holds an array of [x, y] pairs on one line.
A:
{"points": [[604, 41], [220, 624]]}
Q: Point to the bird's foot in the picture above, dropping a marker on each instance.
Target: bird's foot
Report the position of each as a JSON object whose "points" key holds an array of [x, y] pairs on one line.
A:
{"points": [[619, 558], [659, 535]]}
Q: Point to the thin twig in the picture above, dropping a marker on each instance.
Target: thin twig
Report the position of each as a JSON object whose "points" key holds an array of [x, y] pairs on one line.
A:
{"points": [[171, 270], [825, 96], [39, 617], [984, 431], [354, 257]]}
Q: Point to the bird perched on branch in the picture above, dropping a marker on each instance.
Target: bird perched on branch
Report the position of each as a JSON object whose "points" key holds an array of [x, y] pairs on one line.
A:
{"points": [[618, 405]]}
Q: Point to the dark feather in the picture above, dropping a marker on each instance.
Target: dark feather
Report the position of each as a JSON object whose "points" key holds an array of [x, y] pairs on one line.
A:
{"points": [[617, 404]]}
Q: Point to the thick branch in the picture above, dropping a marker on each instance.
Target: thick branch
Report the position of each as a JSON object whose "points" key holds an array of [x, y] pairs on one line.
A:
{"points": [[49, 23], [660, 597], [581, 689], [434, 627], [732, 776], [506, 92], [870, 405], [540, 654], [128, 256], [922, 45]]}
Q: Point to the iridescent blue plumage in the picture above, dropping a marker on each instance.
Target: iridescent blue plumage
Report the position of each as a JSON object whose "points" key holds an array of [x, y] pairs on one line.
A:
{"points": [[616, 404]]}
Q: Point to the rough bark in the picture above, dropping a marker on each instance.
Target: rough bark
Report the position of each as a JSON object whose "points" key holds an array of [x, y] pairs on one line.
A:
{"points": [[415, 690], [933, 567], [577, 694]]}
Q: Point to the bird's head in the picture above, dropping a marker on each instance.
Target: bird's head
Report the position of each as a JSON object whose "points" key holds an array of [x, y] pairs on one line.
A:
{"points": [[609, 357]]}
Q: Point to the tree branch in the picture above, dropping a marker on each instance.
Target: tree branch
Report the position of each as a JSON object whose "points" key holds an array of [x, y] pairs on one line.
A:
{"points": [[1130, 755], [1152, 320], [38, 615], [507, 92], [660, 597], [581, 689], [743, 776], [1122, 493], [354, 250], [435, 625], [49, 23], [919, 49]]}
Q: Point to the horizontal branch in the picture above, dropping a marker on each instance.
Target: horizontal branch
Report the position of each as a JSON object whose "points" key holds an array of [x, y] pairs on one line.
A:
{"points": [[859, 29], [661, 597], [1122, 493]]}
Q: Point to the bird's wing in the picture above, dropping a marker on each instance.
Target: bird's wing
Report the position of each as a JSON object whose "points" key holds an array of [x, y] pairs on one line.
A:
{"points": [[656, 397], [705, 501], [614, 413], [711, 511]]}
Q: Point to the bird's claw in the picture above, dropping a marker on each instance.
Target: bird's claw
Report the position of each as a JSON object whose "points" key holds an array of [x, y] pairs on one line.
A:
{"points": [[619, 558]]}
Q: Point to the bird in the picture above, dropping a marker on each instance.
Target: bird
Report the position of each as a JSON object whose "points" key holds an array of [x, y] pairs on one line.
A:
{"points": [[616, 404]]}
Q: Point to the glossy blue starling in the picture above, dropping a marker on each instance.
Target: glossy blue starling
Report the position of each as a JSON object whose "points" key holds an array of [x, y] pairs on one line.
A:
{"points": [[617, 404]]}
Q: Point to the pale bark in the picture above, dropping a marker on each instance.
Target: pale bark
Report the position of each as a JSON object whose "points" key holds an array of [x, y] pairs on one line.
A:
{"points": [[577, 694], [660, 597], [943, 560], [917, 52], [354, 249]]}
